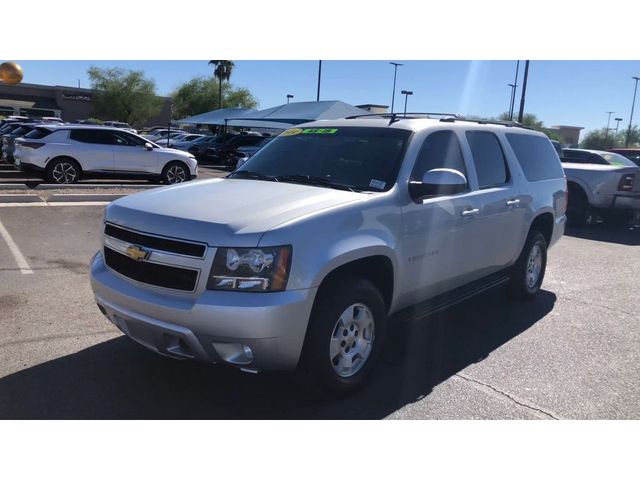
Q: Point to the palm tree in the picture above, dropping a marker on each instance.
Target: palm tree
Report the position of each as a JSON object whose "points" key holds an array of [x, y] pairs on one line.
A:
{"points": [[223, 70]]}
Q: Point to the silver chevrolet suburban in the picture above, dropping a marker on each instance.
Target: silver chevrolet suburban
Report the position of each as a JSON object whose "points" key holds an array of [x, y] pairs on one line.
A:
{"points": [[309, 253]]}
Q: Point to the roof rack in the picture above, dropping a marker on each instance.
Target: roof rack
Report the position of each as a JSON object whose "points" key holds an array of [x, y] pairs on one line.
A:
{"points": [[396, 116], [505, 123]]}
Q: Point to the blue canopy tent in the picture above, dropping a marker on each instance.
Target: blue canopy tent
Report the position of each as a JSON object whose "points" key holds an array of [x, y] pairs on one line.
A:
{"points": [[289, 114], [215, 117]]}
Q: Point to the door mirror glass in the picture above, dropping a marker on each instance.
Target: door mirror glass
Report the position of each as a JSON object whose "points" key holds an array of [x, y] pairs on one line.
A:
{"points": [[439, 181]]}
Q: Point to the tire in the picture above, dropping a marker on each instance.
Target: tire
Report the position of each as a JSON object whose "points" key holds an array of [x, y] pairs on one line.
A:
{"points": [[63, 170], [175, 172], [528, 272], [579, 213], [347, 327]]}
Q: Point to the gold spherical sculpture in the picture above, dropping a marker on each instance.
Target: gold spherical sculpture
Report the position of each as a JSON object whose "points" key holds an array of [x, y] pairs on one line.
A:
{"points": [[10, 73]]}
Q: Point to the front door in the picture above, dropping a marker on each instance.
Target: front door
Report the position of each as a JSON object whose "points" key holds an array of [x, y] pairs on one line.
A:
{"points": [[131, 155]]}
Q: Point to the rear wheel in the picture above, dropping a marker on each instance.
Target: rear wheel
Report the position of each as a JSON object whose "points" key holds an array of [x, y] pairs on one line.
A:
{"points": [[579, 213], [528, 272], [346, 332], [175, 172], [63, 170]]}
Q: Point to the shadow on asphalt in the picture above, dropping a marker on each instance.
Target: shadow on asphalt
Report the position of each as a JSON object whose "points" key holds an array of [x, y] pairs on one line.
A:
{"points": [[607, 232], [119, 379]]}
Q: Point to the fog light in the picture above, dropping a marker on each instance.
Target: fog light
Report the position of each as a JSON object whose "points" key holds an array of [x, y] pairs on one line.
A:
{"points": [[235, 353]]}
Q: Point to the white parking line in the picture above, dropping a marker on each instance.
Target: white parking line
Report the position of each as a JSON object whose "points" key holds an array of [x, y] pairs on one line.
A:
{"points": [[53, 204], [17, 254]]}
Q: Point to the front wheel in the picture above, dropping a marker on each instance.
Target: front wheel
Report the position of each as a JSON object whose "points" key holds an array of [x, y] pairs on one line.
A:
{"points": [[175, 172], [346, 332], [528, 272]]}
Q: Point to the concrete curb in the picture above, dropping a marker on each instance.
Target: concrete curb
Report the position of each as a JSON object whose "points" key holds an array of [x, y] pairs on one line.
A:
{"points": [[53, 186], [18, 198], [13, 186], [82, 197]]}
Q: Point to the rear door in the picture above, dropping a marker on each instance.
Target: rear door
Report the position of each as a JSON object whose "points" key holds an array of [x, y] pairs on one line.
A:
{"points": [[131, 155], [92, 148], [496, 218]]}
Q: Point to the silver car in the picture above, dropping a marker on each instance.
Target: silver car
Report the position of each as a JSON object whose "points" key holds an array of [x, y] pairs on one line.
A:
{"points": [[306, 256]]}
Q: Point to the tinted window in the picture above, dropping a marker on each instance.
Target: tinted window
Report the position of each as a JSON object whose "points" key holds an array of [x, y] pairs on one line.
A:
{"points": [[18, 132], [38, 133], [577, 156], [634, 156], [439, 150], [488, 158], [249, 141], [102, 137], [364, 158], [126, 139], [616, 159], [536, 155]]}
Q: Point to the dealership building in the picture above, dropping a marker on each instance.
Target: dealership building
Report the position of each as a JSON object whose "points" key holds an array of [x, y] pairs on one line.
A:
{"points": [[69, 103]]}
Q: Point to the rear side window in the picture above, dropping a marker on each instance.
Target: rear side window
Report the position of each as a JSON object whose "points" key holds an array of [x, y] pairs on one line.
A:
{"points": [[102, 137], [439, 150], [38, 133], [489, 160], [536, 156], [574, 156]]}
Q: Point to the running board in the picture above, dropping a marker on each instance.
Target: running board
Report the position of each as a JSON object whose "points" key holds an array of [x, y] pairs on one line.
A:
{"points": [[449, 299]]}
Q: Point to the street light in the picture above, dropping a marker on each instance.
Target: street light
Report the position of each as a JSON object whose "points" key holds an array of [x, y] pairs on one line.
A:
{"points": [[606, 133], [406, 94], [524, 90], [633, 104], [289, 97], [512, 99], [618, 120], [395, 72], [513, 93]]}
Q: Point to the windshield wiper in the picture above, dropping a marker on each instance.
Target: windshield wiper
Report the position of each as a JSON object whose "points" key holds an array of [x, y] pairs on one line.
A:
{"points": [[310, 180], [252, 175]]}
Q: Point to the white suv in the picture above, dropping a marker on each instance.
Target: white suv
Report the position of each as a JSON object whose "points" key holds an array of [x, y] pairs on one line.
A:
{"points": [[67, 153]]}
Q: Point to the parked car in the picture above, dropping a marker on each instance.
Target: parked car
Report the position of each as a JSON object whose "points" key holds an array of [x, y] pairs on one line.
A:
{"points": [[122, 125], [225, 153], [8, 140], [323, 236], [163, 142], [600, 184], [185, 141], [199, 147], [632, 154], [245, 153], [67, 153], [160, 134]]}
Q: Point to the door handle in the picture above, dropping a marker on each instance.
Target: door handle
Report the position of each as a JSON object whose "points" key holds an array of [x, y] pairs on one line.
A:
{"points": [[513, 203], [470, 211]]}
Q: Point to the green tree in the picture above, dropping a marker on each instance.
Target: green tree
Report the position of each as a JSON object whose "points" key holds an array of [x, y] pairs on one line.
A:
{"points": [[222, 72], [600, 140], [198, 96], [124, 95], [634, 137], [530, 120]]}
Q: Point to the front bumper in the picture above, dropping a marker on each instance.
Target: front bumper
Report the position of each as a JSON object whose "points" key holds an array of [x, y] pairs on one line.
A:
{"points": [[204, 326]]}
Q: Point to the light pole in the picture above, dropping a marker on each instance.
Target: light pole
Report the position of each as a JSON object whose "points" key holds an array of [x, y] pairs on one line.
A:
{"points": [[606, 134], [524, 90], [406, 94], [633, 104], [395, 72], [319, 75], [618, 120], [513, 96], [289, 97]]}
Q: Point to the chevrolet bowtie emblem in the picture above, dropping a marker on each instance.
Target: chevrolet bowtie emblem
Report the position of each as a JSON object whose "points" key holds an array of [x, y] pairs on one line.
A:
{"points": [[137, 253]]}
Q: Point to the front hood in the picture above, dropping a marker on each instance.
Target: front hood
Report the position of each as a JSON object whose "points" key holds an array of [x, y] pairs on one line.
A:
{"points": [[222, 212], [173, 151]]}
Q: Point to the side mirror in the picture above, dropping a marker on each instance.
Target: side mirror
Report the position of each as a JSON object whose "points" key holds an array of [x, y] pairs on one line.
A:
{"points": [[439, 181], [148, 146]]}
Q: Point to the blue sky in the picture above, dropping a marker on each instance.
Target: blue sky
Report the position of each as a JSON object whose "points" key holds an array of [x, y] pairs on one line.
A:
{"points": [[559, 92]]}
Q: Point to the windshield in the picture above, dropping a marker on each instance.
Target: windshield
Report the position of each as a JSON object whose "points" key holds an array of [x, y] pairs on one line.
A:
{"points": [[617, 159], [362, 158]]}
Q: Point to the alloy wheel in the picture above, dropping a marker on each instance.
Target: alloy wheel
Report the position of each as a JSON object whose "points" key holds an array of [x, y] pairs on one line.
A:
{"points": [[534, 266], [176, 174], [352, 340], [64, 172]]}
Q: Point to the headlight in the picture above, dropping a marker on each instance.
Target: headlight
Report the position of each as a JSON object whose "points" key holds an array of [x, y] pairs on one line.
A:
{"points": [[264, 269]]}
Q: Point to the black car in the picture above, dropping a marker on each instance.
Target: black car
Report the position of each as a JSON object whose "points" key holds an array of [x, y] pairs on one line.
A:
{"points": [[225, 153], [8, 139], [199, 148]]}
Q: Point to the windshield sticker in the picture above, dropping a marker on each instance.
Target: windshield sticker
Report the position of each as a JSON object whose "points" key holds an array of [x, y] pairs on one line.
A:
{"points": [[379, 184], [291, 132], [327, 131]]}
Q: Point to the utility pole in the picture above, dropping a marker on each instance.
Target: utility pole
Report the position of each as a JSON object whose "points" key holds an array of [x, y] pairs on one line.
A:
{"points": [[633, 104], [319, 75], [395, 72], [513, 96], [524, 90], [406, 94]]}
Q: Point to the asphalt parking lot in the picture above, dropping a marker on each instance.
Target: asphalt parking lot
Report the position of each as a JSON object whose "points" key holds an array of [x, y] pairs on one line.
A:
{"points": [[572, 353]]}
